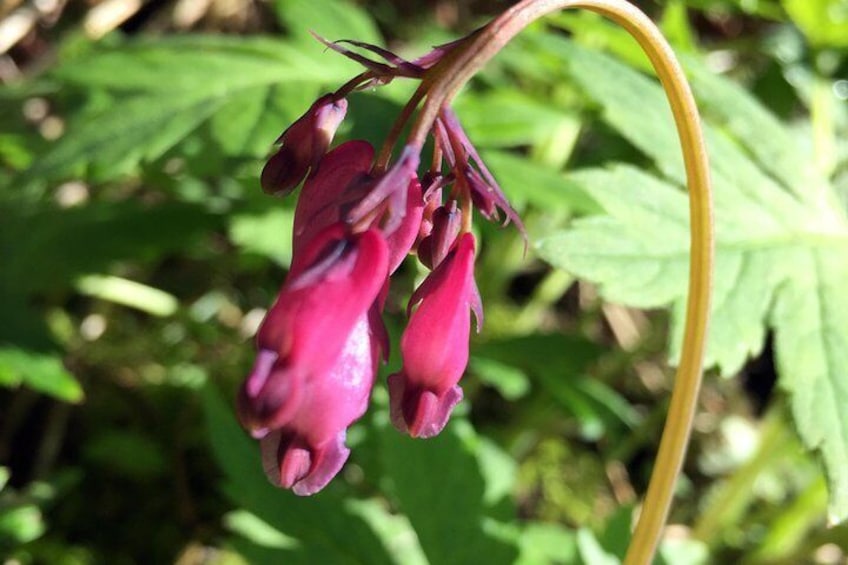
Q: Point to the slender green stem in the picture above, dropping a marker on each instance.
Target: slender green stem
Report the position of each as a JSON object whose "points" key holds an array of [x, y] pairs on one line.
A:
{"points": [[453, 72]]}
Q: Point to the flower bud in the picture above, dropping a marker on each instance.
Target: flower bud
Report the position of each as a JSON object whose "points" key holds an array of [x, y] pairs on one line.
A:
{"points": [[434, 345], [304, 143]]}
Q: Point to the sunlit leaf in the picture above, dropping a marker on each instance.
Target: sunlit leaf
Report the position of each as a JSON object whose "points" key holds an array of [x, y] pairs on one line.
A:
{"points": [[165, 89], [780, 254], [332, 20], [824, 22], [39, 371], [269, 234], [431, 481]]}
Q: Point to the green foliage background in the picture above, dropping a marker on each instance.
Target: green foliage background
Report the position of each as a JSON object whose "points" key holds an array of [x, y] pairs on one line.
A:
{"points": [[137, 254]]}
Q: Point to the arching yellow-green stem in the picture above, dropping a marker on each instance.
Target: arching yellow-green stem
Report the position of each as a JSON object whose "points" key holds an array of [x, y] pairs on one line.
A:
{"points": [[442, 84]]}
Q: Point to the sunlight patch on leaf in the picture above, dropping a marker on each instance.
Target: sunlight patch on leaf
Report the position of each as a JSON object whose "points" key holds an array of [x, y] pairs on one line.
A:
{"points": [[165, 89]]}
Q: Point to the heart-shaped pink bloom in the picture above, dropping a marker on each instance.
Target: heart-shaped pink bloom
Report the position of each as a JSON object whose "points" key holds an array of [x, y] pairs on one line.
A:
{"points": [[307, 328], [434, 345], [309, 450]]}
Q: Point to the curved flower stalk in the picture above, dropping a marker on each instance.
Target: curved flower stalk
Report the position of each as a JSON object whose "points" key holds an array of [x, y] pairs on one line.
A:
{"points": [[359, 215]]}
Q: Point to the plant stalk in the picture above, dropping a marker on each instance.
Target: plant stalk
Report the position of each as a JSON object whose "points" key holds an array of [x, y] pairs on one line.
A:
{"points": [[453, 72]]}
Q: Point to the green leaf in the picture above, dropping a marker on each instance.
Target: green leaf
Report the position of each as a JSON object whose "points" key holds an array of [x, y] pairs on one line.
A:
{"points": [[129, 293], [165, 89], [21, 524], [256, 531], [109, 143], [591, 551], [510, 382], [780, 257], [546, 543], [768, 142], [249, 122], [824, 22], [39, 371], [331, 19], [525, 182], [508, 118], [268, 234], [214, 64], [81, 240], [439, 486], [558, 365]]}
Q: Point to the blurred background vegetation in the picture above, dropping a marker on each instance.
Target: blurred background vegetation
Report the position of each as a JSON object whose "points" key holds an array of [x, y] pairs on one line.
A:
{"points": [[137, 256]]}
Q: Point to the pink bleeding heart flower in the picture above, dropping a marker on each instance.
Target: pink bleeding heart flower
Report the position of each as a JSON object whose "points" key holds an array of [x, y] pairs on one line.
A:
{"points": [[342, 181], [434, 345], [304, 143], [309, 450], [333, 283]]}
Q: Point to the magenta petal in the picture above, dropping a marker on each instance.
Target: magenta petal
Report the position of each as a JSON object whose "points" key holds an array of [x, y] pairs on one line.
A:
{"points": [[268, 401], [446, 222], [435, 343], [333, 400], [284, 171], [323, 193], [289, 463], [328, 116], [327, 461], [265, 360], [379, 334], [395, 180], [269, 446], [328, 311], [295, 463], [402, 239], [319, 306], [419, 412], [310, 449]]}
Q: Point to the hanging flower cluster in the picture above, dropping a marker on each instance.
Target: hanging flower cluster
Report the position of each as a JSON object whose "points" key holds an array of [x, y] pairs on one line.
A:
{"points": [[357, 218]]}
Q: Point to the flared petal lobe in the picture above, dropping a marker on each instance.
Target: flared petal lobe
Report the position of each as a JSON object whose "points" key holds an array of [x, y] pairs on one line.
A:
{"points": [[434, 345]]}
